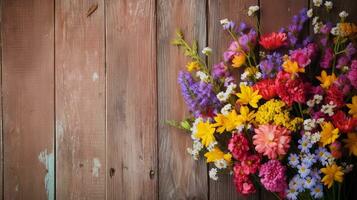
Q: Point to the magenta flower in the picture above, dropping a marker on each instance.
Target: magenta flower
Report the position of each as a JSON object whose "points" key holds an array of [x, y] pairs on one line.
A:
{"points": [[273, 178]]}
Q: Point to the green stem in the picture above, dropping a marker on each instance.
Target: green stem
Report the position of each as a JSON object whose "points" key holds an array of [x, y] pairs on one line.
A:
{"points": [[300, 110]]}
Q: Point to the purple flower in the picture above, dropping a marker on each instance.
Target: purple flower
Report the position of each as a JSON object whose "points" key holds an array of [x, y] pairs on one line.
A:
{"points": [[327, 58], [219, 71], [271, 65], [342, 61], [232, 49], [343, 84], [350, 50], [296, 26], [198, 96], [352, 74], [229, 26]]}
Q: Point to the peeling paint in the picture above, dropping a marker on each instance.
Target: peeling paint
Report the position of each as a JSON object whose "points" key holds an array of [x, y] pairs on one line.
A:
{"points": [[96, 167], [95, 76], [48, 161]]}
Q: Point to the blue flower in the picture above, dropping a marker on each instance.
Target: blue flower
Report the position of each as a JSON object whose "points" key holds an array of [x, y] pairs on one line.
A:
{"points": [[323, 155], [293, 160], [303, 170], [291, 193], [297, 183], [304, 145], [309, 159], [317, 192], [309, 182]]}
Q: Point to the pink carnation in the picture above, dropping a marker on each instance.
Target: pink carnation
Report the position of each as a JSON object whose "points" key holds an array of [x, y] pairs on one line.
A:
{"points": [[273, 178], [271, 140], [238, 146]]}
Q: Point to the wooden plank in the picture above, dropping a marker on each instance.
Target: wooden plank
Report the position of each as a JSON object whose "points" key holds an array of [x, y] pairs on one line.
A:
{"points": [[28, 101], [1, 117], [180, 177], [131, 100], [274, 15], [80, 99], [338, 5], [219, 40]]}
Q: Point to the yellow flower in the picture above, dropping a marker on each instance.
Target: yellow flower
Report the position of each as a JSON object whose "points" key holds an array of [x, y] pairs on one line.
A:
{"points": [[245, 115], [227, 122], [248, 96], [191, 66], [326, 80], [328, 134], [238, 60], [217, 154], [205, 131], [353, 107], [351, 143], [292, 67], [332, 173]]}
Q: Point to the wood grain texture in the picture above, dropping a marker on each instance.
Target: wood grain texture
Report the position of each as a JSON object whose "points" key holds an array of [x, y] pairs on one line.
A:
{"points": [[131, 100], [275, 14], [219, 41], [180, 177], [349, 6], [80, 100], [28, 101], [1, 118]]}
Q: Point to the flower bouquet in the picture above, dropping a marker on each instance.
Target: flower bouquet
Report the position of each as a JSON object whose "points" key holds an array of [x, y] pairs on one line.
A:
{"points": [[287, 123]]}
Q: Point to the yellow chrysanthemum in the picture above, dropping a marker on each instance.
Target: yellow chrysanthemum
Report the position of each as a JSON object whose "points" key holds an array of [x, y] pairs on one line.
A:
{"points": [[245, 115], [238, 60], [217, 154], [332, 173], [347, 29], [351, 143], [248, 96], [328, 134], [292, 67], [205, 132], [326, 80], [191, 66], [227, 122], [353, 107]]}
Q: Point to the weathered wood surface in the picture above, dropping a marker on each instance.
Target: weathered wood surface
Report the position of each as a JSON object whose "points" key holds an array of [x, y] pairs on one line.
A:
{"points": [[28, 99], [180, 177], [131, 100], [88, 85], [80, 100]]}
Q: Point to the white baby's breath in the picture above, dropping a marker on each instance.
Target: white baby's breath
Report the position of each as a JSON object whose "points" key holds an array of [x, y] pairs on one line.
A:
{"points": [[317, 3], [310, 13], [252, 10], [207, 51], [343, 14], [213, 174], [328, 5]]}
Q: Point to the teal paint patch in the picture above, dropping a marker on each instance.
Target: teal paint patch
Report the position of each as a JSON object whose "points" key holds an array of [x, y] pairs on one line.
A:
{"points": [[49, 162]]}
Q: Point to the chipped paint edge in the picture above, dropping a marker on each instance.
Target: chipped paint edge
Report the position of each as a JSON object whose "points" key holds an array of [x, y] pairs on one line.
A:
{"points": [[48, 161]]}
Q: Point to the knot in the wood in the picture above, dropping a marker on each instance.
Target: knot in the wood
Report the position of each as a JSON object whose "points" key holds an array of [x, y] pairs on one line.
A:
{"points": [[111, 172], [152, 174]]}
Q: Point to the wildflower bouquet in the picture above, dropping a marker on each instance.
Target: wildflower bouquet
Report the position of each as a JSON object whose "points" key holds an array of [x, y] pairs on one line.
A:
{"points": [[288, 123]]}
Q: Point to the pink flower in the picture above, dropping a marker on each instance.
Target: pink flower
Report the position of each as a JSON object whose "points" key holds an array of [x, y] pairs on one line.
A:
{"points": [[290, 90], [271, 140], [327, 58], [231, 51], [251, 164], [238, 146], [273, 178], [335, 95], [352, 75]]}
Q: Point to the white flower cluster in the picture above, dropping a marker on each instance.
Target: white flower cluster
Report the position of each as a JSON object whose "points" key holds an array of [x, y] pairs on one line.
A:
{"points": [[197, 145], [309, 124], [213, 174], [221, 164], [317, 3], [328, 108], [202, 76], [252, 10], [310, 13], [207, 51], [223, 96], [212, 145], [315, 101], [328, 5], [226, 109], [343, 15], [224, 21], [335, 31], [317, 25]]}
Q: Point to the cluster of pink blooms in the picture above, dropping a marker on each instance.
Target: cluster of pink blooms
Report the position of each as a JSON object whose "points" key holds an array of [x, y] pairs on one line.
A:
{"points": [[272, 176]]}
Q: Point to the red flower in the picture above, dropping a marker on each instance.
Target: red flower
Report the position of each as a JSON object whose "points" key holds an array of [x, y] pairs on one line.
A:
{"points": [[273, 40], [290, 90], [266, 88], [335, 95], [251, 164], [343, 123], [242, 181], [239, 146]]}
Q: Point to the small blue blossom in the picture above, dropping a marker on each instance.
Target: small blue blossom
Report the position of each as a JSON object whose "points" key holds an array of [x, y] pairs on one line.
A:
{"points": [[304, 145], [293, 160], [291, 194], [303, 170], [297, 183], [323, 156], [309, 159], [317, 192], [309, 182]]}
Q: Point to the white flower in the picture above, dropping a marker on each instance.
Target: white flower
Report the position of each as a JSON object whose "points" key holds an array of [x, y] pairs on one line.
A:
{"points": [[310, 103], [343, 14], [197, 145], [317, 3], [224, 21], [240, 128], [317, 27], [193, 153], [222, 96], [225, 110], [345, 68], [244, 75], [243, 83], [258, 75], [194, 128], [335, 31], [309, 124], [213, 174], [203, 76], [252, 10], [328, 109], [320, 120], [315, 137], [318, 98], [328, 5], [315, 20], [230, 88], [221, 164], [310, 13], [207, 51], [212, 145]]}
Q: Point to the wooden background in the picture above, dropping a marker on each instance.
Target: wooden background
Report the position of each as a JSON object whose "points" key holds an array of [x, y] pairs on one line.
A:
{"points": [[88, 84]]}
